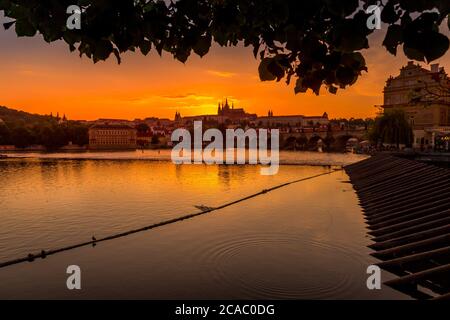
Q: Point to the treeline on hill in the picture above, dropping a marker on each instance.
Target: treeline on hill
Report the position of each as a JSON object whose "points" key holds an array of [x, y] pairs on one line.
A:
{"points": [[23, 129]]}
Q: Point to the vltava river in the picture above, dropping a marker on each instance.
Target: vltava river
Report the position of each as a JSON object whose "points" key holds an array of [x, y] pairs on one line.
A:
{"points": [[306, 240]]}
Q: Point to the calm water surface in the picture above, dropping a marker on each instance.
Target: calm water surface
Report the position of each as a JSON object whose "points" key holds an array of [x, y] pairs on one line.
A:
{"points": [[306, 240]]}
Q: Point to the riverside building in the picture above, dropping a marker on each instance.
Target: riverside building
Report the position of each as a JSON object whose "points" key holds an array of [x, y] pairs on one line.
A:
{"points": [[424, 96], [112, 136]]}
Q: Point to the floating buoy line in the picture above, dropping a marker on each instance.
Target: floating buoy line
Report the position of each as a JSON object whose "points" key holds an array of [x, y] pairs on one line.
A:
{"points": [[203, 210]]}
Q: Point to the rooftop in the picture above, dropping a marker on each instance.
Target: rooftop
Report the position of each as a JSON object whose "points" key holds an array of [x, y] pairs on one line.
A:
{"points": [[112, 126]]}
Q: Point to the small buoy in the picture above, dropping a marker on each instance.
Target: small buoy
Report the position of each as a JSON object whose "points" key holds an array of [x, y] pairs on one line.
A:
{"points": [[30, 257]]}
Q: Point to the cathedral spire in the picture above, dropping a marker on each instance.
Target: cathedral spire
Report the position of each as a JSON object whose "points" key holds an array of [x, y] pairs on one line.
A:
{"points": [[226, 106]]}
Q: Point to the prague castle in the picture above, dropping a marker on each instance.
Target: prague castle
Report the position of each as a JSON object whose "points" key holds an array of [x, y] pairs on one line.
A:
{"points": [[225, 111], [225, 114], [232, 115]]}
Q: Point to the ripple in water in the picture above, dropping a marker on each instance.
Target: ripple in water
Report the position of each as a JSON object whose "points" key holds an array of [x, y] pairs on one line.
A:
{"points": [[249, 265]]}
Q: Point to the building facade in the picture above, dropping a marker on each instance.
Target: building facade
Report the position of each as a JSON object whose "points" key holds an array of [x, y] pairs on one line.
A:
{"points": [[112, 136], [424, 96]]}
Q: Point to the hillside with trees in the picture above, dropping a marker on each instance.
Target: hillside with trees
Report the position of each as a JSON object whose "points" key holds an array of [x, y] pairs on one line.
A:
{"points": [[23, 129]]}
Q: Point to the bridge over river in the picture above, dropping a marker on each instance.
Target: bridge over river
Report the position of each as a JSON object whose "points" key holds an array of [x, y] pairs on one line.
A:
{"points": [[310, 139]]}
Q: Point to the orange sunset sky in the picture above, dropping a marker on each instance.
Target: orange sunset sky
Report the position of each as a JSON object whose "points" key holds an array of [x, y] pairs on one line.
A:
{"points": [[41, 78]]}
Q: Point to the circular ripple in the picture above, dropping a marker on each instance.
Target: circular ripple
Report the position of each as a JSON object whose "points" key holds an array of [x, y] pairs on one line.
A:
{"points": [[280, 266]]}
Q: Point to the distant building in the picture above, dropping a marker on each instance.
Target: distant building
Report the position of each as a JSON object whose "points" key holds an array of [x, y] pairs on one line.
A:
{"points": [[293, 120], [157, 122], [178, 117], [424, 95], [112, 136], [103, 121], [189, 120], [62, 120]]}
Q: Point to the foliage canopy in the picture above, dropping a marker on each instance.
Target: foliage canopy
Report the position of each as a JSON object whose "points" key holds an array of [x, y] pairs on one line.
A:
{"points": [[318, 42]]}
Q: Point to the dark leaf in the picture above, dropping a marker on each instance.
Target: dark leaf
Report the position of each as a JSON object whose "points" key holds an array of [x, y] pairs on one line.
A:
{"points": [[8, 25], [202, 46], [299, 87], [24, 28], [394, 36], [345, 76], [413, 53], [264, 73], [437, 46], [388, 14], [145, 47], [275, 68]]}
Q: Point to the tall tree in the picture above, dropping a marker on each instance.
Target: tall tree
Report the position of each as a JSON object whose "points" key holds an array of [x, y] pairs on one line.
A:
{"points": [[142, 128], [5, 134], [392, 127], [22, 137]]}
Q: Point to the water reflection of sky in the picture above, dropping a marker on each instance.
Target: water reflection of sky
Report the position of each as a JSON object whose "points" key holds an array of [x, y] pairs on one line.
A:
{"points": [[306, 240]]}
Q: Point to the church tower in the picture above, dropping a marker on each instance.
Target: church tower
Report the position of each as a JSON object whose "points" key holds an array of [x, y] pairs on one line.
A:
{"points": [[226, 107]]}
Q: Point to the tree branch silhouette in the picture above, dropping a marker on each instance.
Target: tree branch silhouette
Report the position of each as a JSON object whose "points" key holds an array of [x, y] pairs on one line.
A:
{"points": [[317, 42]]}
